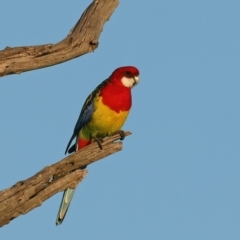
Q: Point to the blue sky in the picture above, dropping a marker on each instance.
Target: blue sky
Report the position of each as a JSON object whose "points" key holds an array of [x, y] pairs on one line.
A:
{"points": [[178, 174]]}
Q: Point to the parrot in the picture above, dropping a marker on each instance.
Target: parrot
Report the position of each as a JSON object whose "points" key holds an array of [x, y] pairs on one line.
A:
{"points": [[103, 114]]}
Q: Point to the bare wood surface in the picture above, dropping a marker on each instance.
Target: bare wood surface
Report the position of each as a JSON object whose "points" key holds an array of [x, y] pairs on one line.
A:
{"points": [[32, 192], [82, 39]]}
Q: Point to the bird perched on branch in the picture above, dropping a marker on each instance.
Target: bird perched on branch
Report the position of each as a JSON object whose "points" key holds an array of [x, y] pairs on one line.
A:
{"points": [[103, 113]]}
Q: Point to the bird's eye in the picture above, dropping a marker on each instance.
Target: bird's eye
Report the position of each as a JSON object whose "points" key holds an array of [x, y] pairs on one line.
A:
{"points": [[128, 74]]}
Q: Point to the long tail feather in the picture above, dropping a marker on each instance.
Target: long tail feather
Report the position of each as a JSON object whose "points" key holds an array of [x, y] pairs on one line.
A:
{"points": [[66, 200]]}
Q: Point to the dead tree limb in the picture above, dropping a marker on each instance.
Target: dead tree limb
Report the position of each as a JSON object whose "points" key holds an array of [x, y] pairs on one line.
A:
{"points": [[82, 39], [32, 192]]}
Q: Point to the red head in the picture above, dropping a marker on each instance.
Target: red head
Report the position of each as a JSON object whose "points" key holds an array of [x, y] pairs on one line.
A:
{"points": [[117, 91], [125, 76]]}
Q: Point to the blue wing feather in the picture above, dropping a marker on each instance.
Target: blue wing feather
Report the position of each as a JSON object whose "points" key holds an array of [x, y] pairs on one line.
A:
{"points": [[83, 119]]}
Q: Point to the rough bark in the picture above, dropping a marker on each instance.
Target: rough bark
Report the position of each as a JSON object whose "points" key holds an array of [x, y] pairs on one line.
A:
{"points": [[30, 193], [82, 39]]}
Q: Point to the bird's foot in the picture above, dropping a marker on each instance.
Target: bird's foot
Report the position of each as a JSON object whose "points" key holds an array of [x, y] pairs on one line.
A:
{"points": [[99, 142], [121, 133]]}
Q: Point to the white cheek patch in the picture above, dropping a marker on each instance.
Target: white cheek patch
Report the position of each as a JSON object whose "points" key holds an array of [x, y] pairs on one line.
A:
{"points": [[127, 82]]}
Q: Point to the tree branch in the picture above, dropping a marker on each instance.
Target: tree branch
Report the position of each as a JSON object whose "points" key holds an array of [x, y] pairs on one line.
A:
{"points": [[82, 39], [30, 193]]}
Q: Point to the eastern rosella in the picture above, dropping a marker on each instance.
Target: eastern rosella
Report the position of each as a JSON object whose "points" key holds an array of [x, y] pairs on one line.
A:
{"points": [[103, 113]]}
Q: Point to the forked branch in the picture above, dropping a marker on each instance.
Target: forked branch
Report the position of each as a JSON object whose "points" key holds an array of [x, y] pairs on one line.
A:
{"points": [[32, 192]]}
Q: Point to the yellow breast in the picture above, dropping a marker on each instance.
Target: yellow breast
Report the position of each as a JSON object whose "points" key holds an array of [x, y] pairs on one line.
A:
{"points": [[105, 121]]}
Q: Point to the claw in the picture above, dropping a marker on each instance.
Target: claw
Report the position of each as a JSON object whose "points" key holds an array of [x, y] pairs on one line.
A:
{"points": [[121, 133], [99, 142]]}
